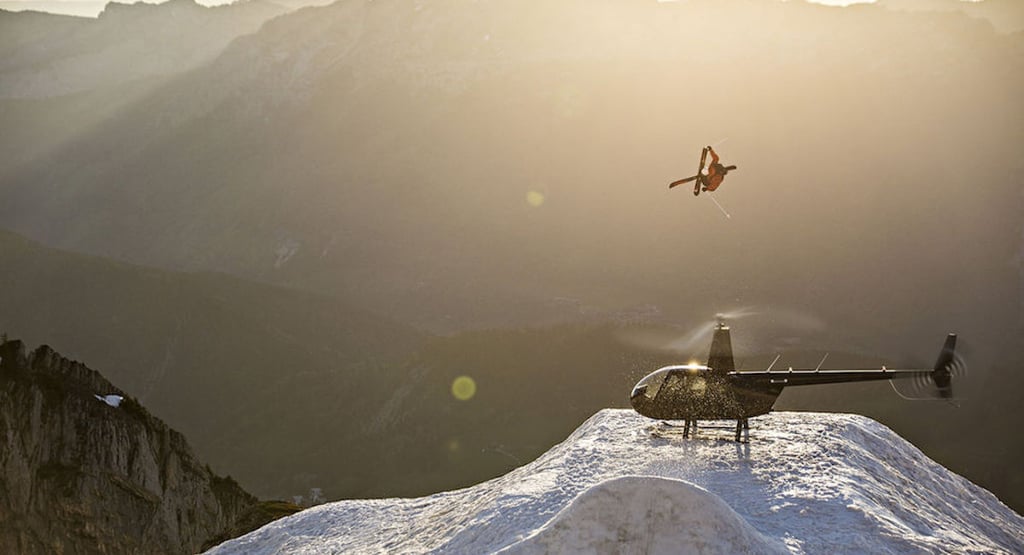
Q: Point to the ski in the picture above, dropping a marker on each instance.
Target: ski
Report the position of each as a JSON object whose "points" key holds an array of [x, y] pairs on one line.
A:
{"points": [[703, 159]]}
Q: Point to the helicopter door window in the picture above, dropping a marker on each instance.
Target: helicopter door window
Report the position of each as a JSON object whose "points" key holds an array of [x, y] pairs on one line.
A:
{"points": [[697, 385], [675, 382], [686, 384]]}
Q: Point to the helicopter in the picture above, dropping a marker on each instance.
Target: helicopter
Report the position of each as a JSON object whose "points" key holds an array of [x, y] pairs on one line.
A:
{"points": [[717, 391]]}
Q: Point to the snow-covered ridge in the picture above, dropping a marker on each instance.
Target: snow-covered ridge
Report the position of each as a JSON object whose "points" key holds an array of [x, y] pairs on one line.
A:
{"points": [[806, 483]]}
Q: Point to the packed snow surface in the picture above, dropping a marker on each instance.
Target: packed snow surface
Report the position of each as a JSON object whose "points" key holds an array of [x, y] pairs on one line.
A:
{"points": [[805, 483]]}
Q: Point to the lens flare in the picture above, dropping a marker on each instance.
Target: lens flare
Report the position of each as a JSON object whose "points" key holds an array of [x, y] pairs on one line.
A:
{"points": [[535, 198], [463, 388]]}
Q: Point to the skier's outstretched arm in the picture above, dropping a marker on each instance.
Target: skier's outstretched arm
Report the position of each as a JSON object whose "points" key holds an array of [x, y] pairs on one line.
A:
{"points": [[714, 155]]}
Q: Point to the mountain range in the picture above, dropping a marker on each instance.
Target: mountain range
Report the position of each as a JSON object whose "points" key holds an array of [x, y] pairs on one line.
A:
{"points": [[350, 150], [96, 8], [47, 55]]}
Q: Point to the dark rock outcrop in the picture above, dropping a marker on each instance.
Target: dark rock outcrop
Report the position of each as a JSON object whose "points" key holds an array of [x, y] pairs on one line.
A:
{"points": [[78, 475]]}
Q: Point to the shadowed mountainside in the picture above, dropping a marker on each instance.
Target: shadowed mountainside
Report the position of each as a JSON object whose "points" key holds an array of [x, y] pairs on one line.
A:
{"points": [[243, 369], [289, 391]]}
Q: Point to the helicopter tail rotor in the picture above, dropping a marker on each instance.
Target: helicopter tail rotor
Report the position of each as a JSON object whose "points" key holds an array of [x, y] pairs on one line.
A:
{"points": [[942, 373], [936, 384]]}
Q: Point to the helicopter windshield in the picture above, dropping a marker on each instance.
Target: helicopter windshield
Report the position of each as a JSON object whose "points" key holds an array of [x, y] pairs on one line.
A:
{"points": [[652, 383]]}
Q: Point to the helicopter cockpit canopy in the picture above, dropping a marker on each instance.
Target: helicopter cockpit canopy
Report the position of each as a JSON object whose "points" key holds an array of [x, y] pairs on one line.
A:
{"points": [[651, 384]]}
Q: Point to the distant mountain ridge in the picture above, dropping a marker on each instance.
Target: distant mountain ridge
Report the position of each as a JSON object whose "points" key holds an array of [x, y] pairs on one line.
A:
{"points": [[94, 8], [45, 55], [62, 75], [1007, 16], [78, 475]]}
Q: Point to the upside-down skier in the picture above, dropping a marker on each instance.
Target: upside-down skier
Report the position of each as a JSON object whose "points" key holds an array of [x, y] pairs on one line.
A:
{"points": [[711, 180]]}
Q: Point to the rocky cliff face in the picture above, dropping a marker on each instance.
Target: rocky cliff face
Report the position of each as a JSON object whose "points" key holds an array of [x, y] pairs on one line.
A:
{"points": [[78, 475]]}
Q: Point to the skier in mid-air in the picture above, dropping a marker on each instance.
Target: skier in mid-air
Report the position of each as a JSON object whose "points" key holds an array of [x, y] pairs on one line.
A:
{"points": [[716, 173], [710, 181]]}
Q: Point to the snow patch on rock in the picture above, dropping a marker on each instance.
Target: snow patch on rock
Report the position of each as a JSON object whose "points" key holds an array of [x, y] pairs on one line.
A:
{"points": [[112, 400]]}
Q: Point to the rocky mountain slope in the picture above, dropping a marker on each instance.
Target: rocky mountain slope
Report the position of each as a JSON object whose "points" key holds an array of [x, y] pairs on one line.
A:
{"points": [[805, 483], [84, 468]]}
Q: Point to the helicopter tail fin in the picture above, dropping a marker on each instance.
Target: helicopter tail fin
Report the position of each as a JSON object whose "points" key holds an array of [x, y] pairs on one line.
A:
{"points": [[720, 357]]}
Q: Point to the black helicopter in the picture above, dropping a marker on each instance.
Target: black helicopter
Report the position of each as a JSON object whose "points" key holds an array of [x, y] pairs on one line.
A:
{"points": [[717, 391]]}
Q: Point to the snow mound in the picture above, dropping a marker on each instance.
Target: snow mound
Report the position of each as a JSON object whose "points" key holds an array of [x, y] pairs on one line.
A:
{"points": [[660, 514], [806, 483]]}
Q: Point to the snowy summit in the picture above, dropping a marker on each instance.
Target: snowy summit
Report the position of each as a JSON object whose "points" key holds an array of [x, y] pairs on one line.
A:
{"points": [[806, 483]]}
